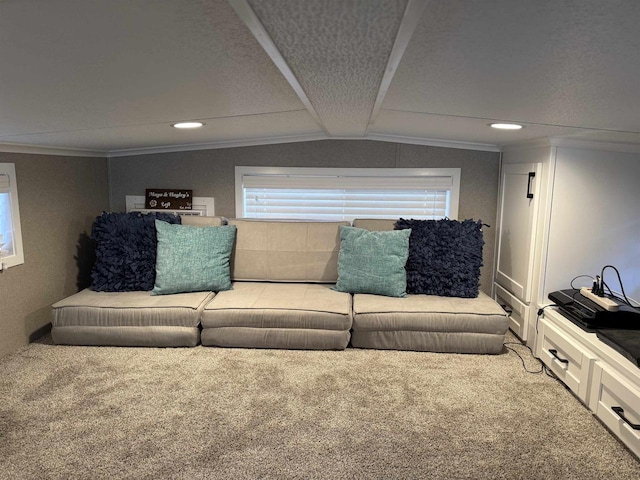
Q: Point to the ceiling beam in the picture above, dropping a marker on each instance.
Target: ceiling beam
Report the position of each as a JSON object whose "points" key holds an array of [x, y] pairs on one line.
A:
{"points": [[412, 15], [251, 20]]}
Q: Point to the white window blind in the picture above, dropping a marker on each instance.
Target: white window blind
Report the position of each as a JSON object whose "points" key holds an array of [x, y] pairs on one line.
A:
{"points": [[4, 183], [11, 253], [346, 194]]}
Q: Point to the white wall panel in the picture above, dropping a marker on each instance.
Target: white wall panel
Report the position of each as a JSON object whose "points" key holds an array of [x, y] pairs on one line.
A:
{"points": [[595, 218]]}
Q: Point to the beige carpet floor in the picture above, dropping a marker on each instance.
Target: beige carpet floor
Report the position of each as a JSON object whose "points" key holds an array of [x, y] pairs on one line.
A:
{"points": [[208, 413]]}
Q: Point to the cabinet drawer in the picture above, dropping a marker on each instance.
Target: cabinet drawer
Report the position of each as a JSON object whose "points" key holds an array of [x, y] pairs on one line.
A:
{"points": [[617, 404], [567, 359], [519, 311]]}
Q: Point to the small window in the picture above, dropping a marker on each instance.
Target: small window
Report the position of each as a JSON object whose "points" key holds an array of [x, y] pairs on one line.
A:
{"points": [[11, 253], [347, 193]]}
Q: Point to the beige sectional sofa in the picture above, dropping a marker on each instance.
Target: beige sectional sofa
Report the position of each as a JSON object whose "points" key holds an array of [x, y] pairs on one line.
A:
{"points": [[282, 274]]}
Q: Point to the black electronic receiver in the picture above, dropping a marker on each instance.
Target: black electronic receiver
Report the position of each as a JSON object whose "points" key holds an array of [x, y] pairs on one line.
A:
{"points": [[590, 316]]}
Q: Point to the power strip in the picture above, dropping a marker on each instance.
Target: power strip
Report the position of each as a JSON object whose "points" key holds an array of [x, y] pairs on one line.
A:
{"points": [[604, 302]]}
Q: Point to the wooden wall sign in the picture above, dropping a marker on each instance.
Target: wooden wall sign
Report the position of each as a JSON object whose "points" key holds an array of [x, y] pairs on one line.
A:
{"points": [[168, 199]]}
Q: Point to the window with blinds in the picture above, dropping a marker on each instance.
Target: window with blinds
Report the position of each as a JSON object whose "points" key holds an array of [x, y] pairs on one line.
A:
{"points": [[10, 234], [346, 194]]}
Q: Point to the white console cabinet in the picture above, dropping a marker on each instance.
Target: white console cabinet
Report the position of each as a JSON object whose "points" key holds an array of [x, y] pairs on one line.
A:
{"points": [[563, 211], [605, 381], [583, 215]]}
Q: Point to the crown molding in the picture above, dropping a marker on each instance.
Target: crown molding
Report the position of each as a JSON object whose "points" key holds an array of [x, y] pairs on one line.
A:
{"points": [[573, 142], [301, 138], [215, 145], [60, 151], [432, 142], [73, 152]]}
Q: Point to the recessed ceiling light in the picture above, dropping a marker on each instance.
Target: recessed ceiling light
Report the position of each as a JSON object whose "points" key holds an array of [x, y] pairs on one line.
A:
{"points": [[506, 126], [187, 124]]}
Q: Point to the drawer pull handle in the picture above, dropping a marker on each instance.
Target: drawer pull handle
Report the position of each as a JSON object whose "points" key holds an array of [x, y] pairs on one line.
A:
{"points": [[554, 352], [620, 412]]}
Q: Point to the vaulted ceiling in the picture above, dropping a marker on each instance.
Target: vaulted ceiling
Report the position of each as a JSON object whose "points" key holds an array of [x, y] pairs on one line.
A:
{"points": [[110, 76]]}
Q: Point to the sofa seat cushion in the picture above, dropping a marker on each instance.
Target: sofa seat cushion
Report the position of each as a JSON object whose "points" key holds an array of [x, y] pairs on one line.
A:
{"points": [[429, 312], [279, 305], [429, 323], [278, 315], [129, 318], [130, 308]]}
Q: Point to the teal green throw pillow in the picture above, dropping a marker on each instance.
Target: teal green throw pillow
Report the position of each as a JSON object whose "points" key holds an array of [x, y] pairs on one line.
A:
{"points": [[373, 262], [193, 259]]}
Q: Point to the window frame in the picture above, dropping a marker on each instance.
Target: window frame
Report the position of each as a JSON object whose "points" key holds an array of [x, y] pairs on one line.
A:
{"points": [[17, 257], [453, 173]]}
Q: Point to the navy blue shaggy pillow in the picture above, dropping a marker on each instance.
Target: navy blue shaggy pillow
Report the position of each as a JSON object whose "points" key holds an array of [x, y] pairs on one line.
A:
{"points": [[445, 257], [126, 247]]}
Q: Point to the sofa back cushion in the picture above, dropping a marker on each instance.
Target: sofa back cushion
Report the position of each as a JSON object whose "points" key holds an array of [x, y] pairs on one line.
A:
{"points": [[198, 221], [375, 224], [286, 251]]}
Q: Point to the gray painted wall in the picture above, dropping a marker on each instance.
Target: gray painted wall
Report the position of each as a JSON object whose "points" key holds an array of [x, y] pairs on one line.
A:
{"points": [[210, 173], [59, 198]]}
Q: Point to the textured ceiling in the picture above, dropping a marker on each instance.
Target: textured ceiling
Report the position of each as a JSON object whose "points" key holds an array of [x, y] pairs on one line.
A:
{"points": [[109, 76], [338, 50], [565, 64], [114, 74]]}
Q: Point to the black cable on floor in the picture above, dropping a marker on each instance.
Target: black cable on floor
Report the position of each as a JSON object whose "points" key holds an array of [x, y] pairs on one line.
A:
{"points": [[543, 367]]}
